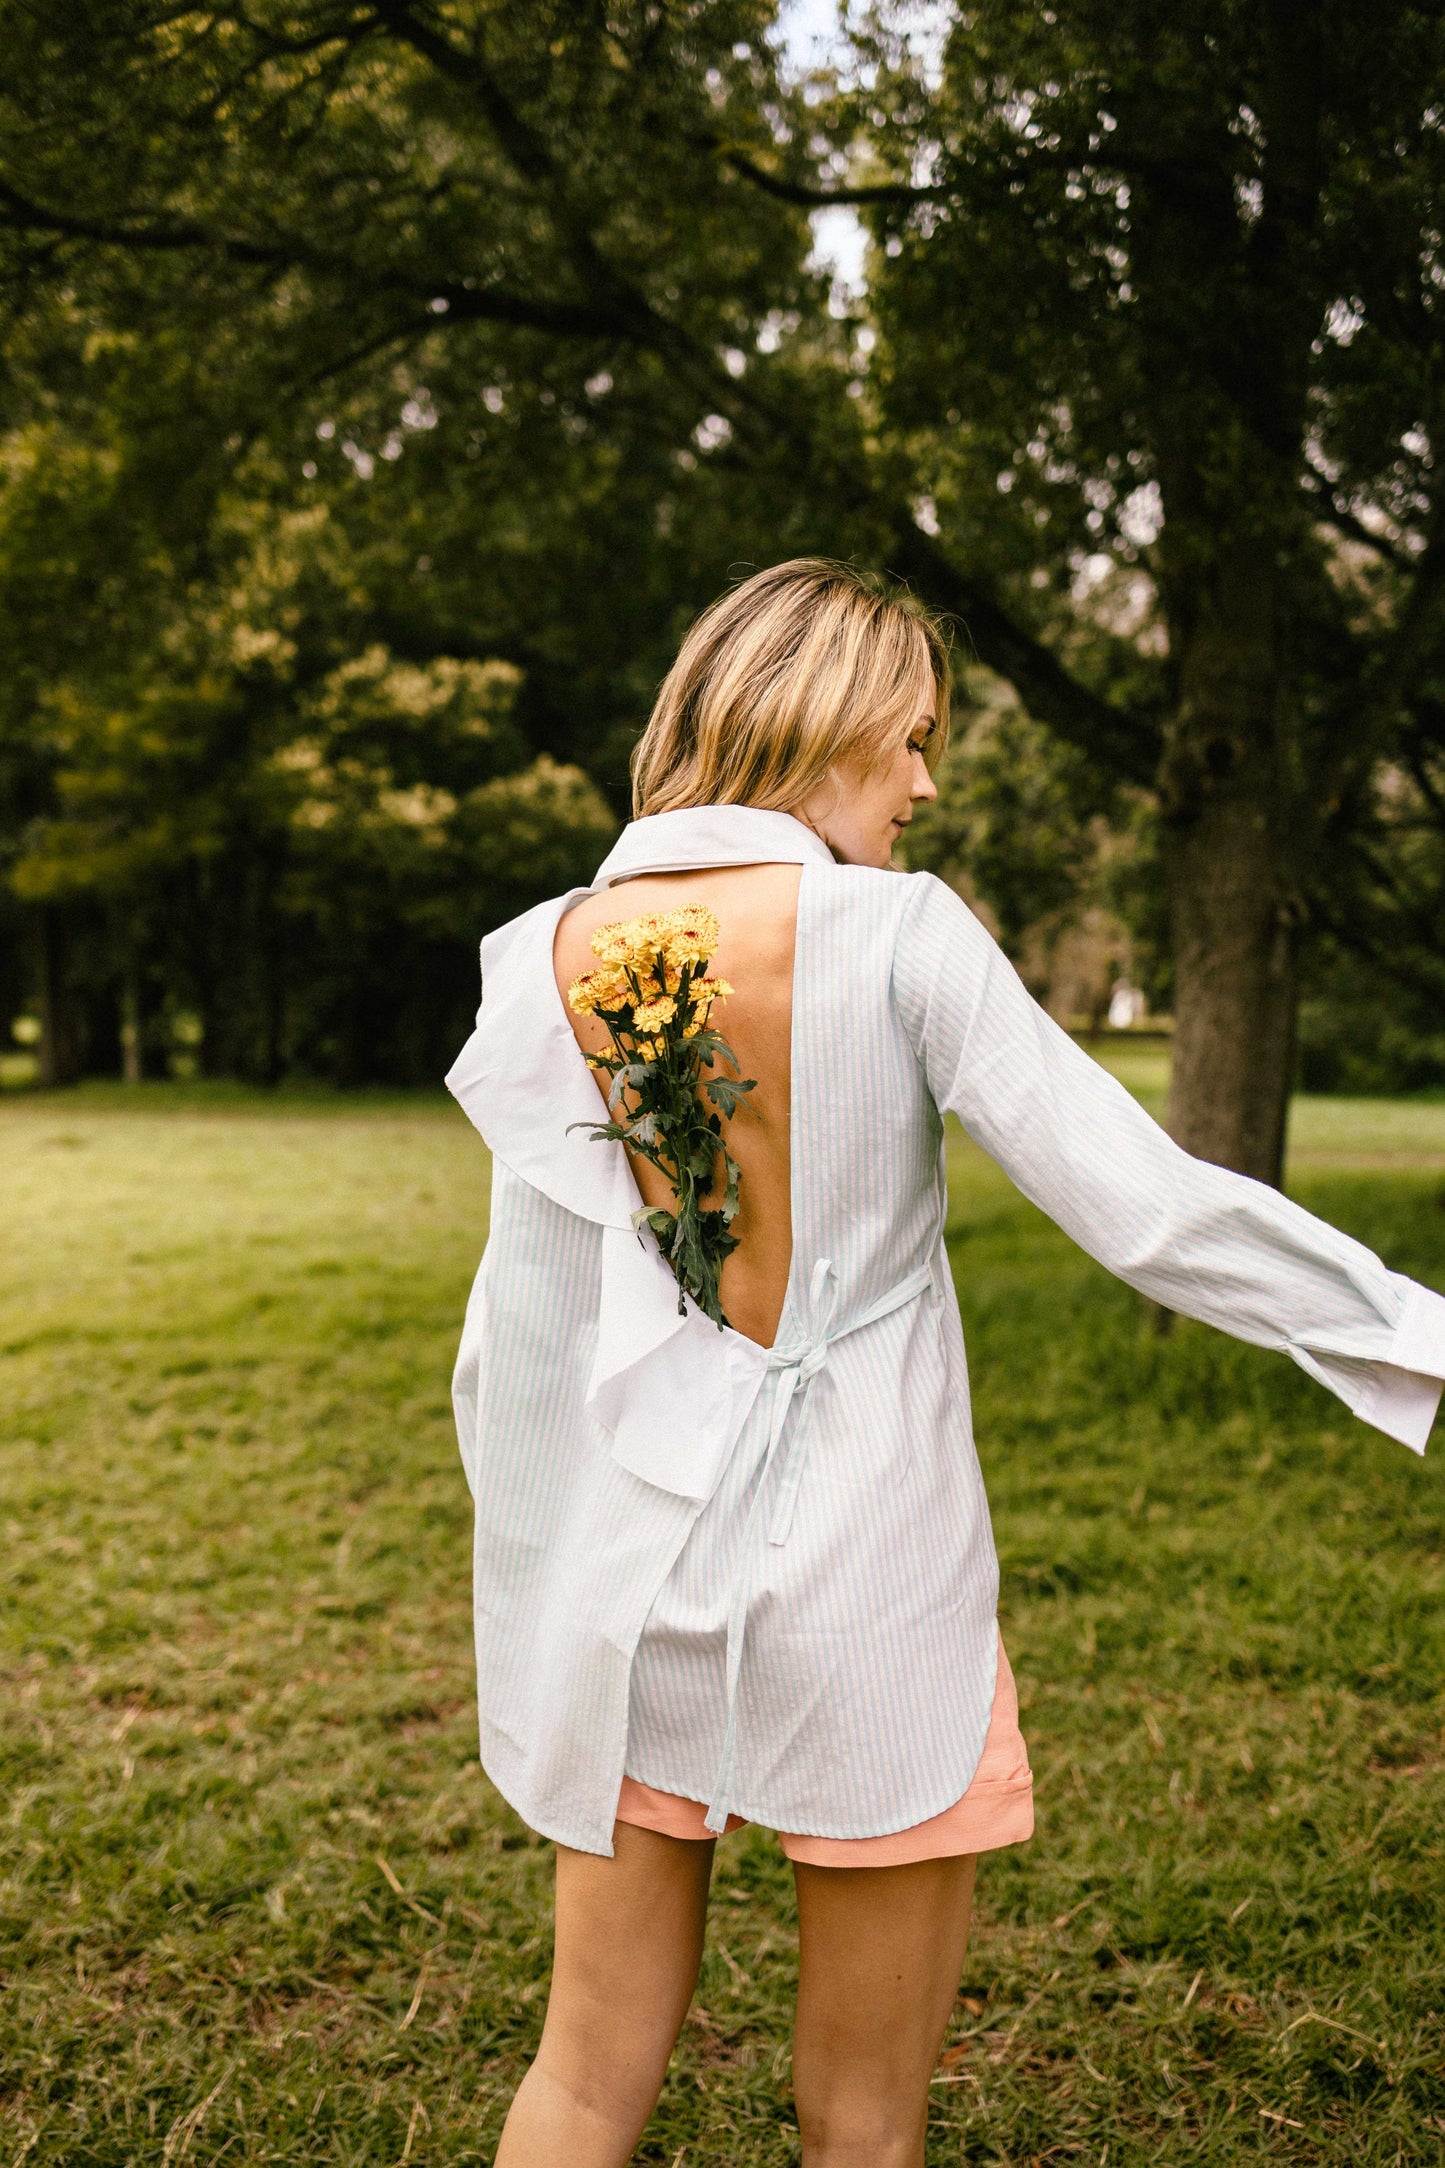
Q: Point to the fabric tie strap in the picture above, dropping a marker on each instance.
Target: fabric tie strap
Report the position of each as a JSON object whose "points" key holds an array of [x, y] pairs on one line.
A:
{"points": [[796, 1366], [799, 1364]]}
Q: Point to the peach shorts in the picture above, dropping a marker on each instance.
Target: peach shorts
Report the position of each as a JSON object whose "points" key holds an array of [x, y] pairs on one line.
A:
{"points": [[997, 1809]]}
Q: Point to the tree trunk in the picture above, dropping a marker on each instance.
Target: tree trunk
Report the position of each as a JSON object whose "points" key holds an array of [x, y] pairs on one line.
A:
{"points": [[1232, 843], [132, 1023], [59, 1049], [1236, 992]]}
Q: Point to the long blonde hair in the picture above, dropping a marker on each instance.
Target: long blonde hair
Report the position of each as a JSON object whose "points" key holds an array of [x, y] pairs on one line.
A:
{"points": [[799, 668]]}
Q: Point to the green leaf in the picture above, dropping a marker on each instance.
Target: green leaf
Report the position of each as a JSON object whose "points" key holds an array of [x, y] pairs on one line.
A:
{"points": [[725, 1093]]}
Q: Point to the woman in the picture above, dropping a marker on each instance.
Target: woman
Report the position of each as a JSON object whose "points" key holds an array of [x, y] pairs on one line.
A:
{"points": [[748, 1573]]}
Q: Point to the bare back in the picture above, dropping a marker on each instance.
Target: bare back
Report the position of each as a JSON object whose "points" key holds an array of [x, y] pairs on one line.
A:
{"points": [[757, 913]]}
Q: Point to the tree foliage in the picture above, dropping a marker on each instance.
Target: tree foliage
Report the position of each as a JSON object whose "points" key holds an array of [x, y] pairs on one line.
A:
{"points": [[434, 335]]}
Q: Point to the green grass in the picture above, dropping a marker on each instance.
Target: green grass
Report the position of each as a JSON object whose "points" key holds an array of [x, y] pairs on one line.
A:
{"points": [[1324, 1133], [257, 1901]]}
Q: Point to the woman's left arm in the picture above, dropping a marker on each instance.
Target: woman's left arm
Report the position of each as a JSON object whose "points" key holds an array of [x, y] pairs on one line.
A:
{"points": [[1195, 1237]]}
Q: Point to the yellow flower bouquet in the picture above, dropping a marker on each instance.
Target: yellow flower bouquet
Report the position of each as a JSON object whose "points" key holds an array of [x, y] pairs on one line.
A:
{"points": [[652, 992]]}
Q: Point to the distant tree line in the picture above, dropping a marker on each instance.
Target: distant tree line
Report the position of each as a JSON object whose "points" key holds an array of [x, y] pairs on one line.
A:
{"points": [[384, 383]]}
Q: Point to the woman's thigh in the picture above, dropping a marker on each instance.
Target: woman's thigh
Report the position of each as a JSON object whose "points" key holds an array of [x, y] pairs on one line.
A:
{"points": [[881, 1954], [629, 1936]]}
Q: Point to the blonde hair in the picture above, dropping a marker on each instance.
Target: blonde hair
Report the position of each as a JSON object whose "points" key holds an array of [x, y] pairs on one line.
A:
{"points": [[803, 666]]}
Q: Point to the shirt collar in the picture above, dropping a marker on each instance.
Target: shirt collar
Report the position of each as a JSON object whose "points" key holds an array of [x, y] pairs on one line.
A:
{"points": [[710, 835]]}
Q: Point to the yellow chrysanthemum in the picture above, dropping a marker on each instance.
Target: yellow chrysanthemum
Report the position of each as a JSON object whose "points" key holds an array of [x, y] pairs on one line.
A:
{"points": [[687, 935], [649, 1017], [692, 934], [598, 990], [617, 943], [632, 942], [705, 992]]}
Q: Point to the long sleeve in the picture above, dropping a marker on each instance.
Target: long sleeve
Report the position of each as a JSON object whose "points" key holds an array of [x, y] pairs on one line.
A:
{"points": [[1203, 1241]]}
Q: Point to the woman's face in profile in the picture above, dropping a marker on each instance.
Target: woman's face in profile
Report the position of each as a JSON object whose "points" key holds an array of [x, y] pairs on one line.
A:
{"points": [[860, 814]]}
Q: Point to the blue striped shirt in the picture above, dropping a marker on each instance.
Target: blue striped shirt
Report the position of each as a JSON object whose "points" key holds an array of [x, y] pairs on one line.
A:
{"points": [[765, 1578]]}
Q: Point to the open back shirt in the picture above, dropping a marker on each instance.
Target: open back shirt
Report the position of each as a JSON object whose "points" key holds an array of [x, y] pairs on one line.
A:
{"points": [[765, 1577]]}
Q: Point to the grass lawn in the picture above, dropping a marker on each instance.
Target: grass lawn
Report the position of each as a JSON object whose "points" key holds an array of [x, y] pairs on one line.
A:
{"points": [[258, 1902]]}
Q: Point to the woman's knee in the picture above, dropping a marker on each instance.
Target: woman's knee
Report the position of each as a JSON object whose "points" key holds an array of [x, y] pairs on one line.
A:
{"points": [[848, 2127], [609, 2054], [612, 2085], [562, 2113]]}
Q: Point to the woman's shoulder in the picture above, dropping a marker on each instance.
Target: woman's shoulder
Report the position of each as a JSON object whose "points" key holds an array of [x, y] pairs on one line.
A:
{"points": [[886, 895], [908, 933]]}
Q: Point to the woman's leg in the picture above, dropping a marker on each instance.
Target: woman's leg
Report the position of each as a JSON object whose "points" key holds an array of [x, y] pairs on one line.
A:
{"points": [[628, 1945], [882, 1952]]}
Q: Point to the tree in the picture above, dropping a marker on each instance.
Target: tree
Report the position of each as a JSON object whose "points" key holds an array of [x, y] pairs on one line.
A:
{"points": [[1159, 288], [1155, 303], [246, 823]]}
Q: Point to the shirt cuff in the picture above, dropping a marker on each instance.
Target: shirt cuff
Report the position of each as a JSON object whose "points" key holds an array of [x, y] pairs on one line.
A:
{"points": [[1402, 1403], [1420, 1335], [1404, 1391]]}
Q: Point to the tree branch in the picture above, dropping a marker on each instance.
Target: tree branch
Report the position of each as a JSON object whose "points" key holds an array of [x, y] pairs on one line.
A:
{"points": [[521, 142], [1417, 633], [1425, 783], [27, 216], [1393, 957], [524, 312], [1334, 514], [1127, 744], [413, 330], [1070, 159], [612, 306], [774, 184], [567, 319], [273, 43]]}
